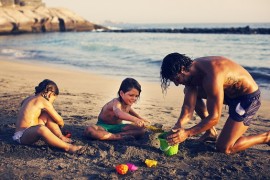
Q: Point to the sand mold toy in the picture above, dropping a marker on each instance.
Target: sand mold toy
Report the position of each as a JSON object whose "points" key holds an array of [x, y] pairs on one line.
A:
{"points": [[132, 167], [165, 147], [150, 163], [122, 168]]}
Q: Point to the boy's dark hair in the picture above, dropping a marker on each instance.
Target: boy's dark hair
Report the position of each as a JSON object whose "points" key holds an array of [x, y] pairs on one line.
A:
{"points": [[128, 84], [45, 86], [171, 65]]}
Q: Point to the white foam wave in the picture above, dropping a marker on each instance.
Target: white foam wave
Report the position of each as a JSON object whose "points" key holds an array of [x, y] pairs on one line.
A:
{"points": [[17, 53]]}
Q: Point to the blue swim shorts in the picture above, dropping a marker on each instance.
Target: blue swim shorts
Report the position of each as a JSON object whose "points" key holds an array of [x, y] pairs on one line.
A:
{"points": [[244, 108]]}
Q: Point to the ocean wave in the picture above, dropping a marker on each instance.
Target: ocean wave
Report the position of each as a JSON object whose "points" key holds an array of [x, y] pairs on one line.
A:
{"points": [[17, 53], [155, 62], [95, 47], [260, 74]]}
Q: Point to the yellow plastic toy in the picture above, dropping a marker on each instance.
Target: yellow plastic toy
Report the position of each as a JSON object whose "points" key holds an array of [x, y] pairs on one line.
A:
{"points": [[150, 163], [155, 129]]}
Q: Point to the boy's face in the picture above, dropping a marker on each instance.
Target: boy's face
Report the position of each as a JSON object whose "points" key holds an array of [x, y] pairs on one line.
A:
{"points": [[130, 97]]}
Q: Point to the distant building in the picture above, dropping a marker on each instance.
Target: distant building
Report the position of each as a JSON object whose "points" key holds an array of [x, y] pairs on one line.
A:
{"points": [[21, 3]]}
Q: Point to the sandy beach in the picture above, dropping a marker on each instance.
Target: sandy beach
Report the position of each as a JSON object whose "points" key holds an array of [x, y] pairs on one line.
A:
{"points": [[81, 98]]}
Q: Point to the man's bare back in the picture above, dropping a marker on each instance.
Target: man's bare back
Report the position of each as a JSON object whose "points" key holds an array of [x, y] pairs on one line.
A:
{"points": [[235, 79]]}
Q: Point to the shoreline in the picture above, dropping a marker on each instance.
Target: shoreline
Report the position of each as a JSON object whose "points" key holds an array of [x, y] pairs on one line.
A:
{"points": [[80, 78]]}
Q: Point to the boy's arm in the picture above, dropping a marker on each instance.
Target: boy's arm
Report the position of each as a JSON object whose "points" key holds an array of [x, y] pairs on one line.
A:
{"points": [[52, 112]]}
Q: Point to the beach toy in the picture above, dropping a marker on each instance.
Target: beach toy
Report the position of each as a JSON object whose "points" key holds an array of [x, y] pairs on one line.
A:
{"points": [[150, 163], [122, 168], [165, 147], [132, 167], [155, 129], [67, 134]]}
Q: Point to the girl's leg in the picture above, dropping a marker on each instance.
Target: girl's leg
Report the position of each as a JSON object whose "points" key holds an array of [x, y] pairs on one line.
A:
{"points": [[44, 118], [99, 133], [231, 140], [34, 133], [133, 131]]}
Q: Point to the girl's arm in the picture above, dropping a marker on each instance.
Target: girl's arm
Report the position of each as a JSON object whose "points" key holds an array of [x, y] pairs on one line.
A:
{"points": [[133, 113], [124, 115], [48, 107]]}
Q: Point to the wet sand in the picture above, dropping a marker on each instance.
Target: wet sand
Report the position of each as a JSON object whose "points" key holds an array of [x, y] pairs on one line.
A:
{"points": [[81, 97]]}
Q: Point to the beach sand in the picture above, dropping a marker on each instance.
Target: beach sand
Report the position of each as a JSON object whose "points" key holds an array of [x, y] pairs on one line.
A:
{"points": [[82, 96]]}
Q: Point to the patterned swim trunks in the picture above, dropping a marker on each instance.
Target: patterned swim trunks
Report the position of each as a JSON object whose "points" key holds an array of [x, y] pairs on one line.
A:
{"points": [[244, 108]]}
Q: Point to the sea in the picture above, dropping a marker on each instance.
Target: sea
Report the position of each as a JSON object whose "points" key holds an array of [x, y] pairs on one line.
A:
{"points": [[139, 55]]}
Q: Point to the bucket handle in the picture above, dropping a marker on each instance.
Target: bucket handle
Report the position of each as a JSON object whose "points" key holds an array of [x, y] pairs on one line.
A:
{"points": [[166, 149]]}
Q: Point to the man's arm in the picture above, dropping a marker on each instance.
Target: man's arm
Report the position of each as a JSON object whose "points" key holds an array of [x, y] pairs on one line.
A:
{"points": [[187, 107], [215, 95], [214, 105]]}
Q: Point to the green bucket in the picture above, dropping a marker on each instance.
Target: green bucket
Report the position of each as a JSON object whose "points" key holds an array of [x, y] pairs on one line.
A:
{"points": [[165, 147]]}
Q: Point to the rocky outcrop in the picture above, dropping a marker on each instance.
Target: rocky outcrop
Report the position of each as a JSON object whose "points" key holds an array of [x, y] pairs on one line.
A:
{"points": [[30, 19]]}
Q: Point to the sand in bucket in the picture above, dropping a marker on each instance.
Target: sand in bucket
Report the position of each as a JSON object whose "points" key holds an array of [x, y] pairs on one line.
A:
{"points": [[165, 147]]}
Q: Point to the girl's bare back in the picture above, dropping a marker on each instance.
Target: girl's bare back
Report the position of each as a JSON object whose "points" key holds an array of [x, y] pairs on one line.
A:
{"points": [[29, 112]]}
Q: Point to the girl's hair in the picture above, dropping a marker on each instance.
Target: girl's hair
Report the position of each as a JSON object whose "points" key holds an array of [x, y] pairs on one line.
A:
{"points": [[171, 66], [128, 84], [45, 86]]}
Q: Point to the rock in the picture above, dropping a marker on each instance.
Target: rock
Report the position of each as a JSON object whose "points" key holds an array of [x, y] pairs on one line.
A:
{"points": [[30, 19]]}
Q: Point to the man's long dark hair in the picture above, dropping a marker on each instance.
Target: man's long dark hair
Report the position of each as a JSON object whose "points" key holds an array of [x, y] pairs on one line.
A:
{"points": [[171, 65]]}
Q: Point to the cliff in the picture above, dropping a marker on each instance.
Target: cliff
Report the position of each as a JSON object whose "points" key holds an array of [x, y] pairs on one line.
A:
{"points": [[33, 16]]}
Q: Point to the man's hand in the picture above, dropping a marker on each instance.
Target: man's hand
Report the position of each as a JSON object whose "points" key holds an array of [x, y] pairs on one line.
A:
{"points": [[177, 137], [176, 128]]}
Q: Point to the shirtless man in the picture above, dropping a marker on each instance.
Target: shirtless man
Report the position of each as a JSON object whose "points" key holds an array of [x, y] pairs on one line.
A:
{"points": [[37, 119], [218, 80]]}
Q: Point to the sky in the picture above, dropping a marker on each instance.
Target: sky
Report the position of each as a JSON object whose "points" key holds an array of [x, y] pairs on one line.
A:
{"points": [[168, 11]]}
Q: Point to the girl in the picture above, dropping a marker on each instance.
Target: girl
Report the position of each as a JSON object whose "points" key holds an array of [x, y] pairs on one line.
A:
{"points": [[37, 119], [110, 125]]}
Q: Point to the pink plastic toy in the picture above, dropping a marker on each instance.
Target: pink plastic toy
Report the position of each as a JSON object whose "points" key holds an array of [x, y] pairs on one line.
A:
{"points": [[132, 167]]}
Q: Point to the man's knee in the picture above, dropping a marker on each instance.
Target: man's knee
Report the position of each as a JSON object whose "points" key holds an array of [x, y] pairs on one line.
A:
{"points": [[223, 149]]}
